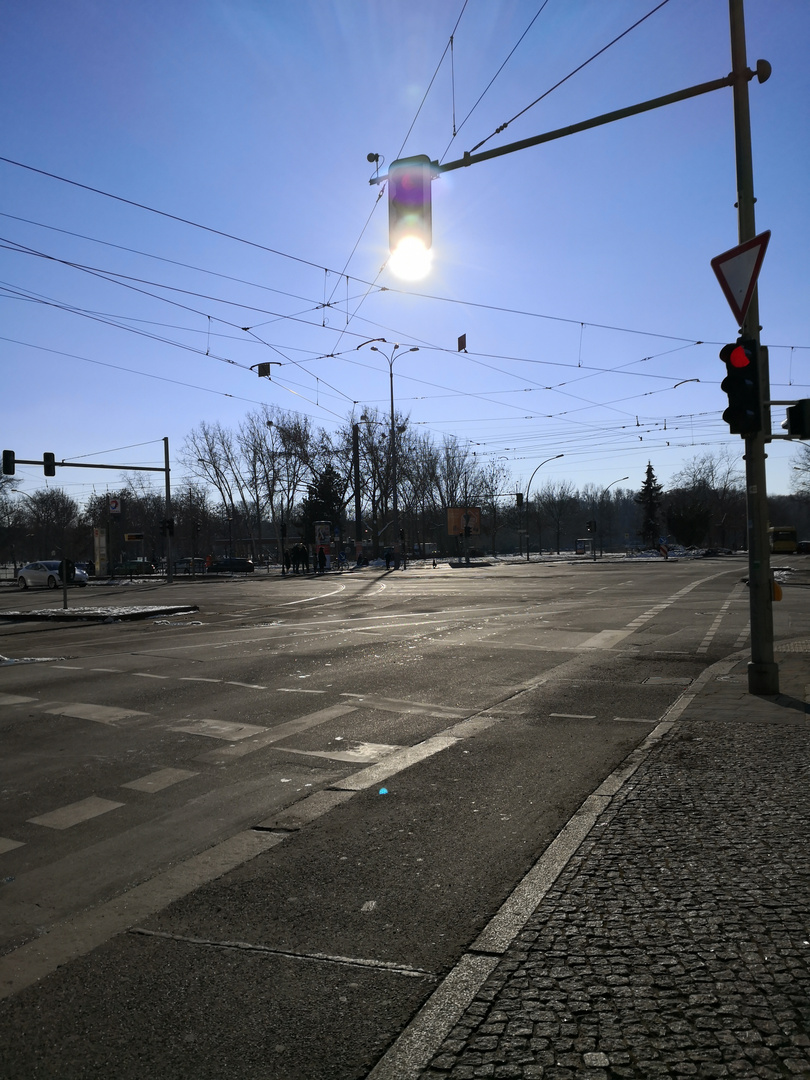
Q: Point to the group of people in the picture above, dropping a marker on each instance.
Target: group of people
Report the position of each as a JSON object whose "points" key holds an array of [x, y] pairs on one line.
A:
{"points": [[296, 560]]}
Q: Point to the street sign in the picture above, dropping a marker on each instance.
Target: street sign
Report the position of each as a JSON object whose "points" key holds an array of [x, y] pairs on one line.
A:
{"points": [[737, 271], [115, 506], [133, 536]]}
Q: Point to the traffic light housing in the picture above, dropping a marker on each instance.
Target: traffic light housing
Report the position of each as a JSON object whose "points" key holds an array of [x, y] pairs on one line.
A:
{"points": [[796, 423], [519, 499], [49, 464], [9, 463], [167, 527], [409, 204], [742, 384], [591, 526]]}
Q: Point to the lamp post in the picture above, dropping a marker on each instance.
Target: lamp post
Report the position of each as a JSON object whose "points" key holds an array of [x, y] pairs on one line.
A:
{"points": [[528, 487], [390, 359], [599, 526]]}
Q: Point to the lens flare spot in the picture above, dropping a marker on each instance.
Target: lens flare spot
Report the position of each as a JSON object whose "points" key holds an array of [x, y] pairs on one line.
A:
{"points": [[412, 260]]}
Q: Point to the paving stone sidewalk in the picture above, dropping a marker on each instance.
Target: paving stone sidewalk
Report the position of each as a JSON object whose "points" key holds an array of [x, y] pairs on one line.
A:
{"points": [[676, 942]]}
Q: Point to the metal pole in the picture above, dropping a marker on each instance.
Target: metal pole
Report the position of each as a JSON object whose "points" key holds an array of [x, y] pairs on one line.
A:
{"points": [[763, 672], [169, 574], [528, 489], [394, 456], [358, 522]]}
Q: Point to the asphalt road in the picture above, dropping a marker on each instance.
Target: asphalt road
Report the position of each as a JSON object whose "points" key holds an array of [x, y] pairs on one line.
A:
{"points": [[486, 704]]}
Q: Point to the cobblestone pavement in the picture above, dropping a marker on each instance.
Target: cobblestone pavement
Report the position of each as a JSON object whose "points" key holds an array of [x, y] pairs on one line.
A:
{"points": [[676, 942]]}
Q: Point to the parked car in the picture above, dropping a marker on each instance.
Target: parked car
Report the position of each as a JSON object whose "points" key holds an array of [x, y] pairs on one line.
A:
{"points": [[46, 574], [803, 547], [184, 566], [135, 567], [231, 566]]}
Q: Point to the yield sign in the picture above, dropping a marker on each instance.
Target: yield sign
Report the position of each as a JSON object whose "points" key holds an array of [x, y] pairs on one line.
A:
{"points": [[737, 271]]}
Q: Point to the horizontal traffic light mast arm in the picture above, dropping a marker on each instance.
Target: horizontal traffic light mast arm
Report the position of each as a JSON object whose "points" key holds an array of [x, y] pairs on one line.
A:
{"points": [[90, 465], [762, 72]]}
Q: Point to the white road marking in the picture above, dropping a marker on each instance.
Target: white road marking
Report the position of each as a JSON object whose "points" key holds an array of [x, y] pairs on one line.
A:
{"points": [[99, 714], [67, 667], [219, 729], [14, 699], [147, 675], [84, 932], [75, 813], [276, 734], [572, 716], [394, 764], [322, 596], [108, 670], [9, 845], [363, 752], [400, 705], [247, 685], [197, 678], [297, 690], [159, 780]]}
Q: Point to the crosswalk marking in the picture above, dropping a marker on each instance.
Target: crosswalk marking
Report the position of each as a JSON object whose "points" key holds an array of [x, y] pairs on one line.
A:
{"points": [[100, 714], [219, 729], [75, 813], [159, 780]]}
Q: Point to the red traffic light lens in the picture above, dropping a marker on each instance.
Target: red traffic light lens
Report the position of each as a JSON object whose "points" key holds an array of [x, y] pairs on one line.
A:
{"points": [[739, 358]]}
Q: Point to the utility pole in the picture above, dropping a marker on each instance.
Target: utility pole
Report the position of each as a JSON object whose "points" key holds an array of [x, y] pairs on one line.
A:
{"points": [[763, 672], [169, 528]]}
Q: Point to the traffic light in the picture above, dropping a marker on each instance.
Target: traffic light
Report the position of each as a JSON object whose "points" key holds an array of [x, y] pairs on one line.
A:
{"points": [[9, 463], [744, 412], [167, 527], [796, 423], [591, 526], [409, 206], [519, 499], [49, 464]]}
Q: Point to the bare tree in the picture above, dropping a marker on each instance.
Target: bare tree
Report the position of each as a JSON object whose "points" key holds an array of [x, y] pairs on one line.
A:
{"points": [[556, 499]]}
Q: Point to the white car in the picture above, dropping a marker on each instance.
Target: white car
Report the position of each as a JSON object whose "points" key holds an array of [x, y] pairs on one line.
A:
{"points": [[45, 575]]}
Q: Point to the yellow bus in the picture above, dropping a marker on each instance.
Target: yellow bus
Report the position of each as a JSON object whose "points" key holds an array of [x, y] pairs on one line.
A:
{"points": [[783, 539]]}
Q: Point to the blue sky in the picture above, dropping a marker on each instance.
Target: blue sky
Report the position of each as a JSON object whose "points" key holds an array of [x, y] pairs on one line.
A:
{"points": [[579, 270]]}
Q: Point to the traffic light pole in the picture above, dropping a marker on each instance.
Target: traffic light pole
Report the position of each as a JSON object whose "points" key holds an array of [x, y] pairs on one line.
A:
{"points": [[763, 672]]}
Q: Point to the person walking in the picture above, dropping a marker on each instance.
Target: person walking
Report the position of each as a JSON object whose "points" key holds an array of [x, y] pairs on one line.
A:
{"points": [[321, 560]]}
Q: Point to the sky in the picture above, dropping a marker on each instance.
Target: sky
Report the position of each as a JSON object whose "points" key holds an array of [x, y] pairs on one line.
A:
{"points": [[185, 193]]}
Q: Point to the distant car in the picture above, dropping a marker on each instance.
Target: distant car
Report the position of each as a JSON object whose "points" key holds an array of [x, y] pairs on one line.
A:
{"points": [[46, 575], [803, 547], [184, 566], [135, 567], [231, 566]]}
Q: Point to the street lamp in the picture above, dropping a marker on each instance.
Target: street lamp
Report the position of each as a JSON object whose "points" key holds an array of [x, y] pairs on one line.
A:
{"points": [[390, 360], [528, 486], [601, 500]]}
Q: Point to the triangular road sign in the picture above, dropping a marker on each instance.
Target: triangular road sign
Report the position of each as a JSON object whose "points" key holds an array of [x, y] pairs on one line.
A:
{"points": [[737, 271]]}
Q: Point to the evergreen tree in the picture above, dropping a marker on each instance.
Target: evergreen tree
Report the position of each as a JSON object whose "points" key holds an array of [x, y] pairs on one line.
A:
{"points": [[649, 499]]}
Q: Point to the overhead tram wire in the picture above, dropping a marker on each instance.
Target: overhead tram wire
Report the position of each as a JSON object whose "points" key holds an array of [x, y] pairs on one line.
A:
{"points": [[113, 278], [570, 75], [487, 88]]}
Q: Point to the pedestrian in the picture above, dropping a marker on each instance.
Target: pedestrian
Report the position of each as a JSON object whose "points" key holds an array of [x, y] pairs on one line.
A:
{"points": [[287, 560], [304, 559], [387, 559], [321, 560]]}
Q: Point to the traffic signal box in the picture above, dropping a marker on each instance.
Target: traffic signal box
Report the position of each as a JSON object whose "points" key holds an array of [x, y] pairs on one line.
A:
{"points": [[742, 384], [409, 206], [49, 464], [797, 420], [9, 463]]}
